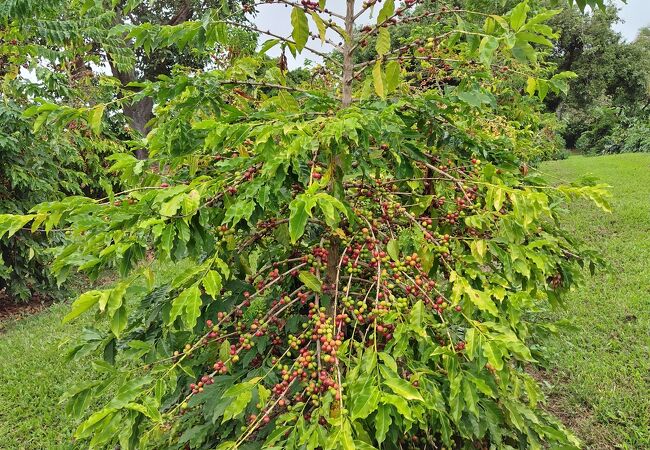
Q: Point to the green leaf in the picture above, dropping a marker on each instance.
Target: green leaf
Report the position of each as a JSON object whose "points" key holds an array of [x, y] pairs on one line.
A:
{"points": [[119, 321], [400, 404], [383, 41], [268, 45], [300, 26], [95, 118], [241, 209], [188, 306], [386, 11], [365, 402], [377, 77], [493, 353], [241, 394], [167, 238], [382, 422], [310, 280], [480, 299], [347, 440], [402, 387], [393, 249], [489, 44], [128, 392], [471, 398], [82, 304], [297, 219], [518, 15], [473, 98], [361, 445], [169, 208], [212, 283], [393, 72]]}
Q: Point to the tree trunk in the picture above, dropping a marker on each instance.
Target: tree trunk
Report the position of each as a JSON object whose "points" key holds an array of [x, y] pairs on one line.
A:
{"points": [[141, 112], [334, 251]]}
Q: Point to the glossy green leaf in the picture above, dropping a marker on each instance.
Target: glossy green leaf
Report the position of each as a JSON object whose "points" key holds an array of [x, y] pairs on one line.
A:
{"points": [[382, 422], [297, 219], [188, 306]]}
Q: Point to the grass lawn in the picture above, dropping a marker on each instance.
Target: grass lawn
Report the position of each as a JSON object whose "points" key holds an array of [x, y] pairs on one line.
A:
{"points": [[600, 381], [33, 376]]}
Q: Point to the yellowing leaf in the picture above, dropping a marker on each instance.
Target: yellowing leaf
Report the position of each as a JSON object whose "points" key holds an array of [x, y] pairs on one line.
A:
{"points": [[300, 25], [393, 72], [212, 283], [95, 118], [531, 86], [518, 15], [386, 11], [383, 41], [486, 49], [310, 280], [322, 29]]}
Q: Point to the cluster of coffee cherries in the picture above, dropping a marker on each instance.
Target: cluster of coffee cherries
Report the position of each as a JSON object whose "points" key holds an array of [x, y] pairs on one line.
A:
{"points": [[224, 230], [317, 172], [317, 259]]}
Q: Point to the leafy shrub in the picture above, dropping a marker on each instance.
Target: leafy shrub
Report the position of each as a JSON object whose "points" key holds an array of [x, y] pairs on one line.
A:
{"points": [[636, 138], [610, 132], [361, 259], [34, 169]]}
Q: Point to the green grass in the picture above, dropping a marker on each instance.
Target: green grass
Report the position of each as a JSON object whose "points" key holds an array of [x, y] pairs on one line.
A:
{"points": [[600, 381], [33, 376]]}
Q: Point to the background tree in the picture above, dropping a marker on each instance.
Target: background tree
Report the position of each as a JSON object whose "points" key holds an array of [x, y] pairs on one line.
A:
{"points": [[611, 84]]}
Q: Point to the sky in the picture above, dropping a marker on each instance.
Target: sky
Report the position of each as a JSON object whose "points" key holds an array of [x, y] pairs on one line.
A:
{"points": [[278, 20], [636, 15]]}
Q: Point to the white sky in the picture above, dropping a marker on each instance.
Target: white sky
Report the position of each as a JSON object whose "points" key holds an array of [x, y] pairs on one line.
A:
{"points": [[636, 15], [278, 21]]}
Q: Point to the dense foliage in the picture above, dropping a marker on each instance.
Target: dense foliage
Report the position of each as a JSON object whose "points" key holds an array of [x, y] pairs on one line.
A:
{"points": [[360, 255], [606, 109], [37, 168], [40, 162]]}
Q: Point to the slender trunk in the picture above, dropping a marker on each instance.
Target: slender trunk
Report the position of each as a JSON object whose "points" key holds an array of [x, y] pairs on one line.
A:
{"points": [[348, 62], [337, 175]]}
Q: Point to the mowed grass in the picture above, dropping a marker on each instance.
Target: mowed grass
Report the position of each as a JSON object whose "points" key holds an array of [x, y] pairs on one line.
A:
{"points": [[600, 382], [34, 372], [33, 376]]}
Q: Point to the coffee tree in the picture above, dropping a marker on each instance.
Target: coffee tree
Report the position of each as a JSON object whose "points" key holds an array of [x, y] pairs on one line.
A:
{"points": [[360, 257]]}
